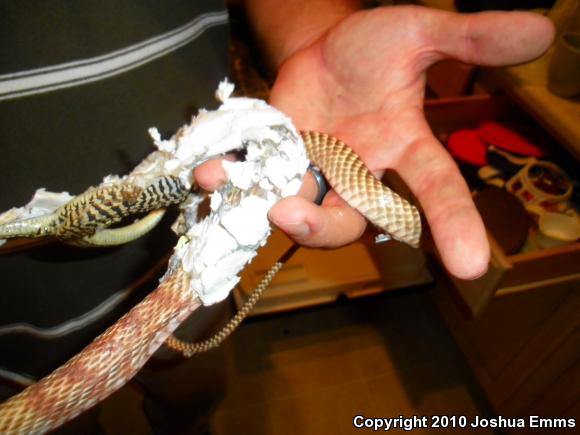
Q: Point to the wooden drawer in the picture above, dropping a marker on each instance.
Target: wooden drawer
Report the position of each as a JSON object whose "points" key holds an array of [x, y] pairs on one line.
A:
{"points": [[318, 276], [524, 349], [507, 273]]}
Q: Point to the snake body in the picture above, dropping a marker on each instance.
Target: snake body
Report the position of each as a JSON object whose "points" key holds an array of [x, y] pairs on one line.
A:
{"points": [[116, 355], [351, 179], [103, 366]]}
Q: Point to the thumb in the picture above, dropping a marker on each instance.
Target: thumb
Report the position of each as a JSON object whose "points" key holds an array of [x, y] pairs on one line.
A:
{"points": [[332, 225], [490, 38]]}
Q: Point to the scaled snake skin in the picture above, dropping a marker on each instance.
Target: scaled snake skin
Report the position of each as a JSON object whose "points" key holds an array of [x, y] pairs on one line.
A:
{"points": [[114, 357]]}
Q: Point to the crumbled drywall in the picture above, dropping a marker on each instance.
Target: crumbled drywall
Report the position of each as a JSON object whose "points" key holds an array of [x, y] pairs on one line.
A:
{"points": [[214, 250]]}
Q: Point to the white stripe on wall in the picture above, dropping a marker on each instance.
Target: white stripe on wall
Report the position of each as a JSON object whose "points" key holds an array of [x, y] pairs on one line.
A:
{"points": [[15, 85]]}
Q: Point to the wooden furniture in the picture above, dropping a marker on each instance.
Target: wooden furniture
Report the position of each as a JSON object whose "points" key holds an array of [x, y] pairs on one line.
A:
{"points": [[507, 273], [519, 324], [526, 84], [450, 78], [524, 349], [317, 276]]}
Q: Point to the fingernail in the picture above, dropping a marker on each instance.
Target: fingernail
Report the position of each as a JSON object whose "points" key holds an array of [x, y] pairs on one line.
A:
{"points": [[298, 230]]}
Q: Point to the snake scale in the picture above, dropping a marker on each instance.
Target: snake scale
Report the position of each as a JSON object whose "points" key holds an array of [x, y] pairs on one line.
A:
{"points": [[114, 357]]}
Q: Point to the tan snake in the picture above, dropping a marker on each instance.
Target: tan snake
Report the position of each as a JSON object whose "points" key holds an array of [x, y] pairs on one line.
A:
{"points": [[115, 356]]}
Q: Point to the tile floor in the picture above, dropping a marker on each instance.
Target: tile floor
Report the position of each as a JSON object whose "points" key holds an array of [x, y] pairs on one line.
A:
{"points": [[311, 372]]}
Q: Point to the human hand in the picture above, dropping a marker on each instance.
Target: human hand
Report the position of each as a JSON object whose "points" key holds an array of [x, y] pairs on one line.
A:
{"points": [[363, 81]]}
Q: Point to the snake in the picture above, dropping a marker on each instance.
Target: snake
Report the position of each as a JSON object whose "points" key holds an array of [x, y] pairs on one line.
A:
{"points": [[115, 356]]}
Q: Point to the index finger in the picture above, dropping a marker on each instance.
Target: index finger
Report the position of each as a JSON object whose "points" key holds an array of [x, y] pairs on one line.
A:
{"points": [[457, 227]]}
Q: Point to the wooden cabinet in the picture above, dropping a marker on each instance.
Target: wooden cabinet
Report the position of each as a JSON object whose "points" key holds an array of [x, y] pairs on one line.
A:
{"points": [[317, 276], [507, 273], [519, 324], [524, 348]]}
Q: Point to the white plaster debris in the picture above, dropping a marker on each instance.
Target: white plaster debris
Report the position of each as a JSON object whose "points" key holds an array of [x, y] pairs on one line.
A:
{"points": [[248, 222], [224, 91], [216, 236], [241, 174], [291, 188], [43, 202], [217, 248], [215, 200], [214, 250]]}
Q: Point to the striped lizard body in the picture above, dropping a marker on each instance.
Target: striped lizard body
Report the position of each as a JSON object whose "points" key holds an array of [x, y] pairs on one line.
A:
{"points": [[97, 208]]}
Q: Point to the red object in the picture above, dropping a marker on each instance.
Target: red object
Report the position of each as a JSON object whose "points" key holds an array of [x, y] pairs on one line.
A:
{"points": [[494, 133], [467, 146]]}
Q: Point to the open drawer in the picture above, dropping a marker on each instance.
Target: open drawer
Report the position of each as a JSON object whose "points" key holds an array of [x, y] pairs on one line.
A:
{"points": [[318, 276], [507, 273]]}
